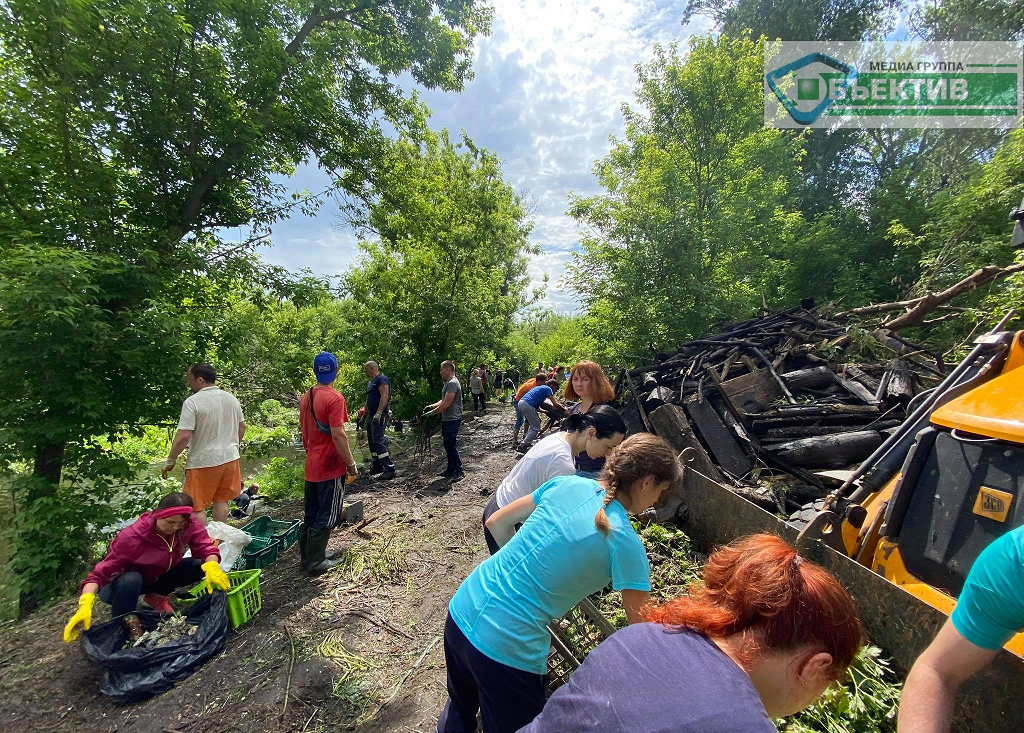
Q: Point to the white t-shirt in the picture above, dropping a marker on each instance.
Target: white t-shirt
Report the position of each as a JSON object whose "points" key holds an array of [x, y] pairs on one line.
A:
{"points": [[551, 457], [213, 415]]}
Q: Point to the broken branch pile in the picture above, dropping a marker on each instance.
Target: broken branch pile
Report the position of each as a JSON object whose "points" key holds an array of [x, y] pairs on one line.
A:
{"points": [[774, 402]]}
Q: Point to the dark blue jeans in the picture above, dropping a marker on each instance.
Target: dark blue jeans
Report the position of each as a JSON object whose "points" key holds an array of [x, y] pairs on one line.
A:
{"points": [[507, 698], [449, 434]]}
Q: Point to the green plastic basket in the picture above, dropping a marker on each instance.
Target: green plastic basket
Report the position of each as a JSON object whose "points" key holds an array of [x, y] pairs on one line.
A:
{"points": [[259, 553], [286, 531], [244, 599]]}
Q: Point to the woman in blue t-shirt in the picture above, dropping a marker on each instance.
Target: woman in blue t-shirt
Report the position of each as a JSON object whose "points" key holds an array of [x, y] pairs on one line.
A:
{"points": [[575, 539]]}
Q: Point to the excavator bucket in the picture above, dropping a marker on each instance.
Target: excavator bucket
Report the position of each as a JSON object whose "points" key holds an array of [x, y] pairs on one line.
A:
{"points": [[898, 622]]}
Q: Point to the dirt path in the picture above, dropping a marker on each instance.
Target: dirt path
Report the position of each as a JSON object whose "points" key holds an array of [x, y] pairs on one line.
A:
{"points": [[363, 642]]}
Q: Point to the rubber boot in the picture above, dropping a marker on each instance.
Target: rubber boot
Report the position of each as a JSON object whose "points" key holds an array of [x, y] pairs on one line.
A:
{"points": [[304, 545], [160, 604], [375, 467], [318, 564]]}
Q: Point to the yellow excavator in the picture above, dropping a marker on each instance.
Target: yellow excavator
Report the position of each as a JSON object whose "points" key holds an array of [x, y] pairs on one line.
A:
{"points": [[948, 482], [903, 530]]}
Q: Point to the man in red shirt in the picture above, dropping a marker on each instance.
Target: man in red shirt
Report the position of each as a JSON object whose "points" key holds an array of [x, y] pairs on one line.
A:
{"points": [[322, 418]]}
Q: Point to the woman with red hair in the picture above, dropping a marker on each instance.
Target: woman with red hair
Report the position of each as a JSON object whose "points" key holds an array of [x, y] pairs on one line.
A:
{"points": [[589, 385], [761, 637]]}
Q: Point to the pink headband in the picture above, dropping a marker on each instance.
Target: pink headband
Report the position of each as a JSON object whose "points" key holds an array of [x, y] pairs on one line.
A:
{"points": [[172, 511]]}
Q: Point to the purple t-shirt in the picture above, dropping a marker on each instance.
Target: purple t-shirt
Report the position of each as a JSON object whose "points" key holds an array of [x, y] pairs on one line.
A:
{"points": [[646, 679]]}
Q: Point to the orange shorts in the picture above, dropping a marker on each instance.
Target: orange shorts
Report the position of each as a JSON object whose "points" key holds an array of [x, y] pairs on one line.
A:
{"points": [[213, 484]]}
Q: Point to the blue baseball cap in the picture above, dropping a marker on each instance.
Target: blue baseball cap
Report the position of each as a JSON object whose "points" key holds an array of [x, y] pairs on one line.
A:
{"points": [[325, 366]]}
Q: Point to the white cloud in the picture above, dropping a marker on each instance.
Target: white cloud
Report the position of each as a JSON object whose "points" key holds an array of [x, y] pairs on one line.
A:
{"points": [[546, 96]]}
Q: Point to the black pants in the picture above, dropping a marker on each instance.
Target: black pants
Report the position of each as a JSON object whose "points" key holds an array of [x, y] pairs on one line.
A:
{"points": [[449, 434], [491, 508], [323, 504], [122, 593], [378, 448], [508, 698], [478, 399]]}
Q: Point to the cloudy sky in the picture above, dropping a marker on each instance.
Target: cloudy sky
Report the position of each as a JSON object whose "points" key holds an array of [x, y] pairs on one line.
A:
{"points": [[546, 96]]}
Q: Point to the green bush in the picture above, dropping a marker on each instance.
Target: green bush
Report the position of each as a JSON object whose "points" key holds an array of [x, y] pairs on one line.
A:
{"points": [[281, 479]]}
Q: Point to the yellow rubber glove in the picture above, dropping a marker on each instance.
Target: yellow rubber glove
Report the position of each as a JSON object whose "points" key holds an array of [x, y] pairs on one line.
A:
{"points": [[83, 616], [215, 577]]}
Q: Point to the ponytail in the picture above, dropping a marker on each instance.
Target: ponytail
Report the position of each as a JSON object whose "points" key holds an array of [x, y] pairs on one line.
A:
{"points": [[760, 584], [633, 460]]}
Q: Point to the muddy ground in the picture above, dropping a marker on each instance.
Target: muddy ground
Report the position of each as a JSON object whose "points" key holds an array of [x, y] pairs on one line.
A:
{"points": [[357, 647]]}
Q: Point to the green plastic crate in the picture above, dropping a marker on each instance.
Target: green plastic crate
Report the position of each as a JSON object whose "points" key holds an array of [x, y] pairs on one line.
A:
{"points": [[286, 531], [259, 553], [244, 600]]}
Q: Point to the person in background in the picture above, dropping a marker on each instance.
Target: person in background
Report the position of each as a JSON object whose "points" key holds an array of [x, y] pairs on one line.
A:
{"points": [[989, 611], [244, 500], [540, 367], [450, 408], [476, 388], [513, 374], [485, 376], [378, 409], [576, 538], [595, 432], [499, 377], [761, 637], [520, 420], [212, 426], [508, 386], [146, 557], [588, 387], [322, 417], [528, 406]]}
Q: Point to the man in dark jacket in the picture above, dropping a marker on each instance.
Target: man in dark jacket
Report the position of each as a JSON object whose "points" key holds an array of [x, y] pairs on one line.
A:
{"points": [[378, 408]]}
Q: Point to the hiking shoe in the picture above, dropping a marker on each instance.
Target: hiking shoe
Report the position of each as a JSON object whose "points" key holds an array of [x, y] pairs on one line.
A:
{"points": [[447, 473], [160, 604], [386, 475], [457, 476]]}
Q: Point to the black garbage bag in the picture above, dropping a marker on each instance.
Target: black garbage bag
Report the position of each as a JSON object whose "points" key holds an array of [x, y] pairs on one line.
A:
{"points": [[136, 673]]}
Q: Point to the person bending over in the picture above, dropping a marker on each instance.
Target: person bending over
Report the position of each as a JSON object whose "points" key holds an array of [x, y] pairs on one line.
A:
{"points": [[594, 433], [576, 539], [761, 637], [146, 558]]}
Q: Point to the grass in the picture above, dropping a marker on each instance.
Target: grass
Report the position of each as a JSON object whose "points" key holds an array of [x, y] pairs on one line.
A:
{"points": [[350, 686]]}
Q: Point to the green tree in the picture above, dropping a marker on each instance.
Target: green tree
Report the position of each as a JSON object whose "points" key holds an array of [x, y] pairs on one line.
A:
{"points": [[447, 270], [699, 204], [795, 20], [132, 131]]}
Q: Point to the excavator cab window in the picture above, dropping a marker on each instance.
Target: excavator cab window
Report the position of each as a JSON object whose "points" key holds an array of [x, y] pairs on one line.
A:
{"points": [[958, 494]]}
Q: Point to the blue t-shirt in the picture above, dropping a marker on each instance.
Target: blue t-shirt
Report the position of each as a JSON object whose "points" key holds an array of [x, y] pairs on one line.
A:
{"points": [[991, 606], [556, 560], [646, 678], [536, 396], [373, 394]]}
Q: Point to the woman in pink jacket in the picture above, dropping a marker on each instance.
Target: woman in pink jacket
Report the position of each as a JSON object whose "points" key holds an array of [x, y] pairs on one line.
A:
{"points": [[146, 558]]}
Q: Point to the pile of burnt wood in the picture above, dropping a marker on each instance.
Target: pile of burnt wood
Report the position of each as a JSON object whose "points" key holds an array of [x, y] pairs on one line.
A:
{"points": [[775, 407]]}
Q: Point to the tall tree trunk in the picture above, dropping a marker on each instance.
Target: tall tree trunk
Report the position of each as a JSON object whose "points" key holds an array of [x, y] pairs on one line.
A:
{"points": [[46, 474]]}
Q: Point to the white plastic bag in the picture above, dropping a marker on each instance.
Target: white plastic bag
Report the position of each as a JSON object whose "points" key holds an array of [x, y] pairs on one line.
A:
{"points": [[232, 542]]}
